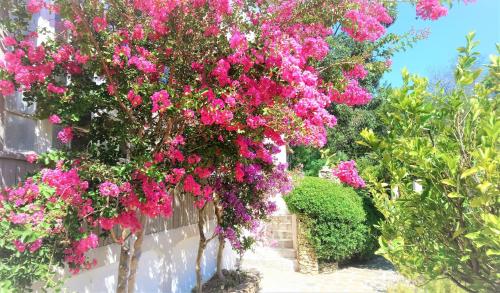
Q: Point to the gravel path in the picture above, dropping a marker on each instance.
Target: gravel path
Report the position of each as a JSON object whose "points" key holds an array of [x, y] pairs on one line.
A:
{"points": [[374, 276]]}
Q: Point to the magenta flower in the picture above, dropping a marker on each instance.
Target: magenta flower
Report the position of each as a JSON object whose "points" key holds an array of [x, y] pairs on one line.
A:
{"points": [[6, 87], [430, 9], [54, 119], [34, 246], [161, 101], [348, 174], [31, 157], [65, 135], [99, 24], [20, 246], [109, 189]]}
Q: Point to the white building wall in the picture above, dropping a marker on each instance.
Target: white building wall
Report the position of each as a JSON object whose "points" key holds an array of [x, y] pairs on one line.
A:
{"points": [[167, 264], [282, 209]]}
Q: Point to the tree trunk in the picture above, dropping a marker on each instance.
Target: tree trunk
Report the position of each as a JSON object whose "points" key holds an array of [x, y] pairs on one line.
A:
{"points": [[123, 266], [220, 254], [201, 249], [134, 263]]}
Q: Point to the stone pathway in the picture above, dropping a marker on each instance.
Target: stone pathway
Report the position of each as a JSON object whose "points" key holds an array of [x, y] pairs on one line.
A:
{"points": [[374, 276]]}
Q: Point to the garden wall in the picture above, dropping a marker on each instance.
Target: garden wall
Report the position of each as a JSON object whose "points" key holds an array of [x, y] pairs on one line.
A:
{"points": [[166, 265]]}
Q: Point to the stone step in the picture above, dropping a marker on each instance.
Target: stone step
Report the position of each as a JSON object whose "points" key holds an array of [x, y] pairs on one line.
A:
{"points": [[284, 243], [281, 235], [280, 227], [282, 219], [276, 258]]}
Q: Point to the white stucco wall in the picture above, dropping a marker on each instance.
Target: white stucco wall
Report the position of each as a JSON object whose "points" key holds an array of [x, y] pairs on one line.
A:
{"points": [[167, 264], [280, 158]]}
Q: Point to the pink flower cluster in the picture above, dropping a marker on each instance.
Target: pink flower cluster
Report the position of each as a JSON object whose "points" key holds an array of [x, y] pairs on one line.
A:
{"points": [[33, 246], [161, 101], [65, 135], [366, 21], [54, 119], [348, 174], [109, 189], [353, 95], [430, 9], [75, 256]]}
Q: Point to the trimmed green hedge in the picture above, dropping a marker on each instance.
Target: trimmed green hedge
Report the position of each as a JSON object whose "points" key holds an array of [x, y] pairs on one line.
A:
{"points": [[339, 220]]}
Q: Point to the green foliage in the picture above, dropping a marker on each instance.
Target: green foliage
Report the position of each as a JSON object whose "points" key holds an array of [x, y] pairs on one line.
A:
{"points": [[437, 286], [339, 220], [447, 142]]}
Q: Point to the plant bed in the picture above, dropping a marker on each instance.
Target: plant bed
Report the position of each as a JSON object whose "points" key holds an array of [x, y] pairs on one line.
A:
{"points": [[235, 281]]}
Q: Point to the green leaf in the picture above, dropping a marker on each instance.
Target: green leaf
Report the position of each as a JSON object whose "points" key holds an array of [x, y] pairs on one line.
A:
{"points": [[448, 182], [454, 195], [483, 187], [479, 201], [469, 172]]}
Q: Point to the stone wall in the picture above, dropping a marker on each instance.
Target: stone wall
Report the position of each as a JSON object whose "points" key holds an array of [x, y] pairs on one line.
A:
{"points": [[306, 255]]}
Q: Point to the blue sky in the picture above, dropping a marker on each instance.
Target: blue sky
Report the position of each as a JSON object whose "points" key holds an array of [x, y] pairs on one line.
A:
{"points": [[438, 52]]}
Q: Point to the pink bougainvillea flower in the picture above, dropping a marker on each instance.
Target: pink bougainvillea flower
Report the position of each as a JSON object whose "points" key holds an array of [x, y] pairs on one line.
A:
{"points": [[134, 99], [31, 157], [357, 72], [34, 6], [348, 174], [161, 101], [20, 246], [35, 245], [81, 58], [9, 41], [55, 89], [65, 135], [99, 24], [430, 9], [54, 119], [6, 87], [109, 189]]}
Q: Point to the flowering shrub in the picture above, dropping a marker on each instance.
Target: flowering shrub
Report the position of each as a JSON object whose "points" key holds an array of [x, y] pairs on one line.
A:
{"points": [[177, 96]]}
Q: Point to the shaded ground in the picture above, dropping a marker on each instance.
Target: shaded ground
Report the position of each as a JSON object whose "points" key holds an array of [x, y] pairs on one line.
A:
{"points": [[235, 281]]}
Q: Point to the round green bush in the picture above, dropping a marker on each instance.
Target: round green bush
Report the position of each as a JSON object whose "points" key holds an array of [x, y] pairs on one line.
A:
{"points": [[339, 221]]}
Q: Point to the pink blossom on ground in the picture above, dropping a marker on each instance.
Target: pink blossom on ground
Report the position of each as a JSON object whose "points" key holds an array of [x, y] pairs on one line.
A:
{"points": [[65, 135], [348, 174], [54, 119]]}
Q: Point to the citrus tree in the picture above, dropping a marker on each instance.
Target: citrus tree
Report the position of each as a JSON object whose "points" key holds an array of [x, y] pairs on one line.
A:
{"points": [[440, 157]]}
